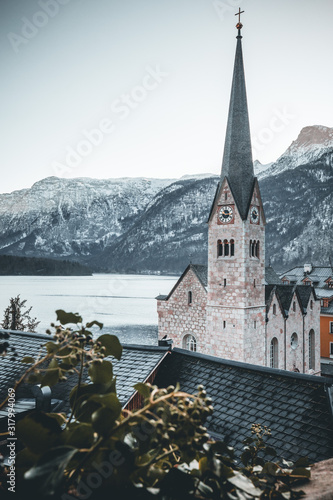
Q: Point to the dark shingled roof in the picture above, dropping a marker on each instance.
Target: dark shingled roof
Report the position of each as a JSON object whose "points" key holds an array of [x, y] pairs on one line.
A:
{"points": [[271, 277], [136, 364], [285, 294], [294, 406], [318, 275], [237, 165]]}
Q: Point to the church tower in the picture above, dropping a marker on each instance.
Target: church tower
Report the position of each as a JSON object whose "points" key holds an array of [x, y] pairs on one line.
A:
{"points": [[236, 308]]}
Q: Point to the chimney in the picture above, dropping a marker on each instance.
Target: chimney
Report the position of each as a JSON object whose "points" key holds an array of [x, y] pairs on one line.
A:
{"points": [[307, 268]]}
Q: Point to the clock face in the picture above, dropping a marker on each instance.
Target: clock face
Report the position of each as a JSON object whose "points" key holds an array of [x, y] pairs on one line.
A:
{"points": [[225, 214], [254, 215]]}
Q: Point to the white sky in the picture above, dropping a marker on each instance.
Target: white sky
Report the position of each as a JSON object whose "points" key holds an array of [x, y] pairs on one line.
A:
{"points": [[72, 72]]}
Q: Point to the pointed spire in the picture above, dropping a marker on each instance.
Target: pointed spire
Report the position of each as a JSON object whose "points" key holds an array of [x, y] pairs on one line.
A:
{"points": [[237, 163]]}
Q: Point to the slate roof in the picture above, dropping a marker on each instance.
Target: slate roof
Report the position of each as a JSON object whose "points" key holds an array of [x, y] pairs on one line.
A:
{"points": [[318, 275], [136, 364], [271, 277], [285, 294], [294, 406]]}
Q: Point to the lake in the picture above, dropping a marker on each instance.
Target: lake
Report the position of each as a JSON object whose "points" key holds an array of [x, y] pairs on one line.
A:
{"points": [[124, 303]]}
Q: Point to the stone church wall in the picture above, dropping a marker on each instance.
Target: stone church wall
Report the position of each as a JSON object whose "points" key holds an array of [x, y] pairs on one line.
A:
{"points": [[177, 318]]}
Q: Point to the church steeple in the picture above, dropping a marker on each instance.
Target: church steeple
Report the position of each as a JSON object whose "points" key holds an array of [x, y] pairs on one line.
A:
{"points": [[237, 163]]}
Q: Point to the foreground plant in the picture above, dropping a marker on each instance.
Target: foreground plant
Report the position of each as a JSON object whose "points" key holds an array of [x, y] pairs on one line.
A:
{"points": [[99, 450]]}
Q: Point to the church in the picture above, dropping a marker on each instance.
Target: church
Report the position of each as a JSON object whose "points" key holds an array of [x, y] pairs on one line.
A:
{"points": [[236, 308]]}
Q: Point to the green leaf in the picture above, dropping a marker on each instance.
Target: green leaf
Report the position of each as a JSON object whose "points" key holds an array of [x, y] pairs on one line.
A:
{"points": [[48, 473], [66, 318], [301, 472], [302, 462], [143, 389], [79, 435], [270, 451], [103, 421], [38, 432], [85, 408], [51, 347], [52, 374], [108, 401], [89, 325], [112, 345], [28, 359], [270, 468], [100, 372]]}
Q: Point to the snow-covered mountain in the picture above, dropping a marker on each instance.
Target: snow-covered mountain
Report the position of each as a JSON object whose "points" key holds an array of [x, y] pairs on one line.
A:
{"points": [[140, 225], [72, 217], [312, 143]]}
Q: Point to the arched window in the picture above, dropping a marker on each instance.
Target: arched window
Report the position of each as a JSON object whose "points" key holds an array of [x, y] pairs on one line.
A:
{"points": [[253, 250], [311, 350], [219, 248], [250, 248], [274, 353], [232, 248], [190, 343], [257, 249], [226, 248], [189, 298], [274, 309], [294, 340]]}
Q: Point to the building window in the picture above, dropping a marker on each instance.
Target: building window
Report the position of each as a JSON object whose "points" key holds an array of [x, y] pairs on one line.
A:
{"points": [[189, 298], [226, 248], [311, 350], [294, 306], [274, 353], [311, 304], [232, 248], [274, 309], [254, 283], [224, 282], [254, 249], [331, 349], [190, 343], [224, 324], [331, 326], [294, 340], [254, 324], [219, 248], [226, 195]]}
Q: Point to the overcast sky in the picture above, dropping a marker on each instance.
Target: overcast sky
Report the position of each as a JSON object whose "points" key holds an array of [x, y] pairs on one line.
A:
{"points": [[114, 88]]}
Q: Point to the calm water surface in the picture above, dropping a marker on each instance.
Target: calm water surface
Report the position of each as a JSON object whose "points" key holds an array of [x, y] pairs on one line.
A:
{"points": [[124, 303]]}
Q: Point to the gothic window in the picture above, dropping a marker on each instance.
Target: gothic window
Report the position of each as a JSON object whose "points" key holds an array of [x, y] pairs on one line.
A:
{"points": [[311, 350], [232, 248], [219, 248], [274, 353], [226, 248], [189, 298], [190, 343], [274, 309], [253, 248], [294, 340], [250, 248], [257, 249]]}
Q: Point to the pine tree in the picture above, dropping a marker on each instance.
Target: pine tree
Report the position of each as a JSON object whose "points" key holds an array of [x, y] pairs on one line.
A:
{"points": [[16, 319]]}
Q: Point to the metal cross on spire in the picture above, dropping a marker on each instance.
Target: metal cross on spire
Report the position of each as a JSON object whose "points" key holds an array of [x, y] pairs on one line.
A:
{"points": [[239, 25]]}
